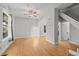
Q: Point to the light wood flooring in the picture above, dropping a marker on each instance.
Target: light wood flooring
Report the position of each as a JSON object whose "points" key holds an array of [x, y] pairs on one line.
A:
{"points": [[38, 47]]}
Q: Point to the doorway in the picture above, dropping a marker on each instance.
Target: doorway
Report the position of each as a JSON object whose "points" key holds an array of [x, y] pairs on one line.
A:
{"points": [[64, 30]]}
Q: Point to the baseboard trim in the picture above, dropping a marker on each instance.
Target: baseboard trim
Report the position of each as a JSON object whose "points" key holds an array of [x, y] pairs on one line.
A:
{"points": [[21, 37], [5, 48], [25, 37], [73, 42], [50, 41], [32, 37]]}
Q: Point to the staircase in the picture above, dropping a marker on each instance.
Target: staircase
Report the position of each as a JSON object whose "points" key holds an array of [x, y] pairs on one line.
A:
{"points": [[70, 19], [74, 23], [75, 53], [72, 16]]}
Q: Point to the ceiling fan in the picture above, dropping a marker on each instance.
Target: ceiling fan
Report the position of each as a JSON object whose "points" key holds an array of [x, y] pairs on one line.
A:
{"points": [[30, 12]]}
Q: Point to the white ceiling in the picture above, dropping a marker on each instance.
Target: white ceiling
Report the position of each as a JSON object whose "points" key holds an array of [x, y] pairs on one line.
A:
{"points": [[18, 9]]}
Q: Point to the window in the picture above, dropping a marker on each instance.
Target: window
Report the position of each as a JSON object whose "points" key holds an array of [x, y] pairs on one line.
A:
{"points": [[5, 25]]}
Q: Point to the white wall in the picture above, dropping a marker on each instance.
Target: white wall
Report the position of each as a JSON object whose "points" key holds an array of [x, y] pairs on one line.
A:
{"points": [[51, 22], [74, 28], [35, 32], [49, 15], [74, 34], [0, 22], [48, 11], [0, 27], [23, 27], [65, 29], [60, 30], [4, 42], [41, 24]]}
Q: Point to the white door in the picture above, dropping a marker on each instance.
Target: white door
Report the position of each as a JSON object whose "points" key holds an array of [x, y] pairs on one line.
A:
{"points": [[65, 31]]}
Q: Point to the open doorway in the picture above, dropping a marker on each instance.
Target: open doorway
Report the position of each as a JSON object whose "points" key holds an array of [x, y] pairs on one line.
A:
{"points": [[64, 29]]}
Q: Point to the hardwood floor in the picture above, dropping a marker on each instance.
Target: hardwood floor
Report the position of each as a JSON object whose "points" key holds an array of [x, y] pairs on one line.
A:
{"points": [[38, 47]]}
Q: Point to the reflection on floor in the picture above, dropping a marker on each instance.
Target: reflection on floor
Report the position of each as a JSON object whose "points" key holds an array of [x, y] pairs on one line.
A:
{"points": [[38, 47]]}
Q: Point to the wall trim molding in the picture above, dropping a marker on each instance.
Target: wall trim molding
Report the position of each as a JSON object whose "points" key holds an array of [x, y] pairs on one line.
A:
{"points": [[32, 37], [73, 42], [23, 37], [5, 48], [50, 41], [26, 37]]}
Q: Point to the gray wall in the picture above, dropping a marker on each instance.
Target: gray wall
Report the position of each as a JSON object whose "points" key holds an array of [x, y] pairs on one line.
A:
{"points": [[51, 16], [52, 25], [4, 42], [74, 28], [0, 26], [42, 22], [23, 27], [65, 29], [0, 22], [74, 34]]}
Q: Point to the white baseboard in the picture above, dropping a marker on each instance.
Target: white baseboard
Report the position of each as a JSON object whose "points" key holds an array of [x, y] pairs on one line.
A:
{"points": [[26, 37], [22, 37], [50, 41], [73, 42], [5, 48]]}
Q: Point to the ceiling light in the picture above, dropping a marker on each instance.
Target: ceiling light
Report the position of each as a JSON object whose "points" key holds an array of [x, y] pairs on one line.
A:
{"points": [[31, 12]]}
